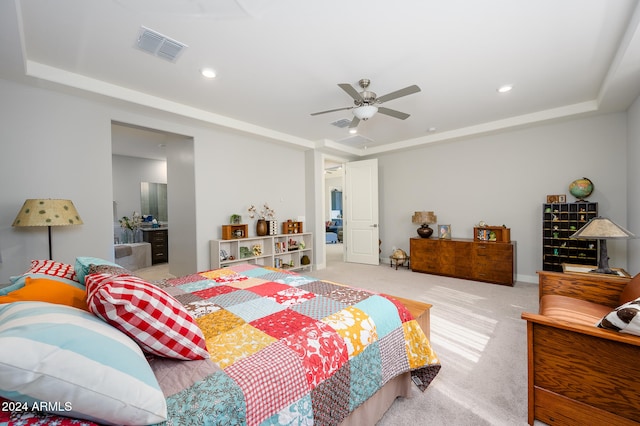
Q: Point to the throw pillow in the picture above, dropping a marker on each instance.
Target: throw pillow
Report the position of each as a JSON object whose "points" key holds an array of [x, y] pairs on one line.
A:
{"points": [[58, 353], [44, 269], [53, 268], [84, 263], [108, 269], [48, 290], [624, 318], [159, 323]]}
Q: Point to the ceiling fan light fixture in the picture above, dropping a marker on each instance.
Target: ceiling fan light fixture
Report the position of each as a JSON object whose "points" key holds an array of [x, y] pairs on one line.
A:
{"points": [[365, 112]]}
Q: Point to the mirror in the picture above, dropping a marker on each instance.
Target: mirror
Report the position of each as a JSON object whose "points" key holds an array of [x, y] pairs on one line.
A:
{"points": [[336, 203], [153, 200]]}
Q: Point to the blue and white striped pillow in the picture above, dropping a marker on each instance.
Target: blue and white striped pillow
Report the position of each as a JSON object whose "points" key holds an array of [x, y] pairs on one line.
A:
{"points": [[59, 354]]}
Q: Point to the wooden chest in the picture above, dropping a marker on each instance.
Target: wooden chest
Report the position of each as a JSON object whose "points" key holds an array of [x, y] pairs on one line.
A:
{"points": [[464, 258]]}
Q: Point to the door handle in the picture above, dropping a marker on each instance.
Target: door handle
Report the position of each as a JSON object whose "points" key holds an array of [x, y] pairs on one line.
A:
{"points": [[375, 225]]}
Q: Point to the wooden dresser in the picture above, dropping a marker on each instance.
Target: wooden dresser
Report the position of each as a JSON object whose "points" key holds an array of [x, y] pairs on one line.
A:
{"points": [[487, 261], [159, 240]]}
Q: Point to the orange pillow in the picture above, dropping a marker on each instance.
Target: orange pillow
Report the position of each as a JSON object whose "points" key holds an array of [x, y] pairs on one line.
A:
{"points": [[46, 290]]}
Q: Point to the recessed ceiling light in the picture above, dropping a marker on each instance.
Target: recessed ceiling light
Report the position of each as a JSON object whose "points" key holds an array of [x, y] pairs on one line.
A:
{"points": [[208, 72], [431, 129], [504, 89], [353, 131]]}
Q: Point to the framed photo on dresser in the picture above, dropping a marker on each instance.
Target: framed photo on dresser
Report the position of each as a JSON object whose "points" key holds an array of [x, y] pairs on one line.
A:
{"points": [[444, 232]]}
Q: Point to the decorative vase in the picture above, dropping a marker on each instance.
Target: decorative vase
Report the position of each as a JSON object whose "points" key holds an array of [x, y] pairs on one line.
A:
{"points": [[424, 231], [137, 236], [126, 237], [261, 227]]}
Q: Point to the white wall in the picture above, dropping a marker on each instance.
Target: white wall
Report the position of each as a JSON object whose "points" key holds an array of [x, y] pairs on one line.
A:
{"points": [[504, 179], [58, 145], [234, 171], [53, 146], [128, 173], [633, 189], [181, 202]]}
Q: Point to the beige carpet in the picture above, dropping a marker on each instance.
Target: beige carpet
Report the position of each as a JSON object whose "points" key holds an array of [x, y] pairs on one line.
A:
{"points": [[154, 273], [477, 333]]}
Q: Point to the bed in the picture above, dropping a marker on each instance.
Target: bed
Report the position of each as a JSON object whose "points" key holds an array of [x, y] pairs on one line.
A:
{"points": [[281, 348]]}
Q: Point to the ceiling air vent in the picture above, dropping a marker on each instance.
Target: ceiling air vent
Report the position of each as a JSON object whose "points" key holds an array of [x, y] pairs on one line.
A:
{"points": [[159, 45], [342, 123]]}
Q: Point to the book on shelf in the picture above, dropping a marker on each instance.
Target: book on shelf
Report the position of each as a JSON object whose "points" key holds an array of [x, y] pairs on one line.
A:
{"points": [[279, 247]]}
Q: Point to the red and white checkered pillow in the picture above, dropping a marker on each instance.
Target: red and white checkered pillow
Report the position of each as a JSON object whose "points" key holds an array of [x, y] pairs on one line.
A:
{"points": [[55, 269], [156, 321]]}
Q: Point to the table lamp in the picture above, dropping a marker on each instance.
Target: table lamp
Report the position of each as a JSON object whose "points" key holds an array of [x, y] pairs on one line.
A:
{"points": [[602, 229], [424, 219], [47, 212]]}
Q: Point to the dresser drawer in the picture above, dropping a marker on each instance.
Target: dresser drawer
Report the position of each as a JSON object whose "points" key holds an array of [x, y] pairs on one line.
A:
{"points": [[158, 237], [159, 240], [495, 276], [462, 258]]}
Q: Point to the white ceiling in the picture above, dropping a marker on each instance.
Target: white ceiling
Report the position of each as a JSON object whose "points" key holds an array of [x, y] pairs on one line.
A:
{"points": [[278, 61], [139, 142]]}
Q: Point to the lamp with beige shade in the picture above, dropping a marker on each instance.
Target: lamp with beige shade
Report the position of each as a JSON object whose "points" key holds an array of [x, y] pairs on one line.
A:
{"points": [[603, 229], [424, 219], [47, 212]]}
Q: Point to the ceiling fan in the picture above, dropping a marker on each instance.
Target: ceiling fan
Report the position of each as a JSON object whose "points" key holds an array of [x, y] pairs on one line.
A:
{"points": [[366, 102]]}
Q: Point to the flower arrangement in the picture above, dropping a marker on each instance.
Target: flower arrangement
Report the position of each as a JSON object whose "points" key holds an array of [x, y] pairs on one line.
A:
{"points": [[134, 223], [266, 212]]}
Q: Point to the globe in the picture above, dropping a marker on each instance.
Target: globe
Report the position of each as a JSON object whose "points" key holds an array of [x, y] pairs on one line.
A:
{"points": [[581, 188]]}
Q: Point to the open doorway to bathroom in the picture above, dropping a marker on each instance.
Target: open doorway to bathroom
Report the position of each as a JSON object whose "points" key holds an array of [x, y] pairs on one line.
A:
{"points": [[142, 156]]}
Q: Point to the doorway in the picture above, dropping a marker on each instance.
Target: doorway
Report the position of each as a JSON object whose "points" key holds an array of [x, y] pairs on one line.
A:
{"points": [[351, 208], [164, 156]]}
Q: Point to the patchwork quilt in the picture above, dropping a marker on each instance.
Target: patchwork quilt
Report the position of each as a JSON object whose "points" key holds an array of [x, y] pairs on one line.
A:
{"points": [[284, 349]]}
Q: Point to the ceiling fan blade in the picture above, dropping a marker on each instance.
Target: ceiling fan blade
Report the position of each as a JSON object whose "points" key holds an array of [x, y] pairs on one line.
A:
{"points": [[399, 93], [331, 110], [351, 91], [354, 123], [393, 113]]}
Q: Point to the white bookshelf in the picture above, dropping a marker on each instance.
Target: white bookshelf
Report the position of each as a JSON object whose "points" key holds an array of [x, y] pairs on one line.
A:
{"points": [[283, 251]]}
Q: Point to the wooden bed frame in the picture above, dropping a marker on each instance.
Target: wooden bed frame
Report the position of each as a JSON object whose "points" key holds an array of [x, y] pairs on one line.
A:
{"points": [[421, 312]]}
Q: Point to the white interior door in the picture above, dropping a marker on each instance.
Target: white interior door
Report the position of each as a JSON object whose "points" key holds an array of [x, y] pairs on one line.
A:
{"points": [[360, 225]]}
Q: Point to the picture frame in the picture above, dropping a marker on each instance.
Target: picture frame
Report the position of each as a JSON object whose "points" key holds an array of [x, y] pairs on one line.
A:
{"points": [[444, 232], [558, 198]]}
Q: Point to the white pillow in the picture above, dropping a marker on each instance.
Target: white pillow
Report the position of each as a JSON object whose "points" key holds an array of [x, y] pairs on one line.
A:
{"points": [[56, 353], [624, 318]]}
